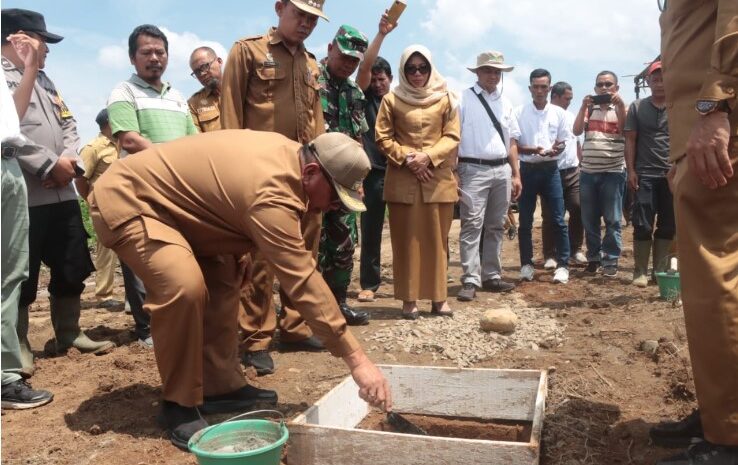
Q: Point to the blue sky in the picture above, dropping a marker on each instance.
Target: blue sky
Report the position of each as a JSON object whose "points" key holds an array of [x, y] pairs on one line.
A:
{"points": [[574, 39]]}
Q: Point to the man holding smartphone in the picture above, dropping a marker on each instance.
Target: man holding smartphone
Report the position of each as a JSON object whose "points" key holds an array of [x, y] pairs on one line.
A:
{"points": [[602, 181]]}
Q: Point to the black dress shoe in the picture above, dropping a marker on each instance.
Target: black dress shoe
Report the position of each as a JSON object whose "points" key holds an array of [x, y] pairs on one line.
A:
{"points": [[704, 453], [497, 285], [467, 292], [181, 422], [353, 317], [241, 400], [311, 344], [260, 360], [678, 433]]}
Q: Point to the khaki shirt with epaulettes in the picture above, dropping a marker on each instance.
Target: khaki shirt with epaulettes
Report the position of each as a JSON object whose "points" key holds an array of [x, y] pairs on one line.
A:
{"points": [[267, 88], [205, 109]]}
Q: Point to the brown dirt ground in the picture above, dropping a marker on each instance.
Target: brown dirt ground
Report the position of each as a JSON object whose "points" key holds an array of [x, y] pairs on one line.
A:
{"points": [[604, 393]]}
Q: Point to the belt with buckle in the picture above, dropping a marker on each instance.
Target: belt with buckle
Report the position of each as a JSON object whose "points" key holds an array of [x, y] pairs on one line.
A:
{"points": [[479, 161], [541, 164], [8, 151]]}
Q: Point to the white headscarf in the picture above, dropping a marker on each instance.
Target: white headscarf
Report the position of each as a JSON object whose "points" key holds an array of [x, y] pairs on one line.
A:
{"points": [[433, 91]]}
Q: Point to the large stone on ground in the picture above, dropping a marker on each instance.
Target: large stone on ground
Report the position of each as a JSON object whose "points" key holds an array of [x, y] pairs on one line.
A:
{"points": [[499, 320]]}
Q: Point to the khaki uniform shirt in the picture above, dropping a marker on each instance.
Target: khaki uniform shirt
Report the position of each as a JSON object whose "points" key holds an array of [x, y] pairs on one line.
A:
{"points": [[48, 123], [699, 42], [199, 188], [403, 128], [97, 156], [205, 109], [267, 88]]}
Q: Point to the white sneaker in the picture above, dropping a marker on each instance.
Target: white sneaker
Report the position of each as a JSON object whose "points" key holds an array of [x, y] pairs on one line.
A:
{"points": [[561, 276], [580, 258], [526, 273], [550, 264]]}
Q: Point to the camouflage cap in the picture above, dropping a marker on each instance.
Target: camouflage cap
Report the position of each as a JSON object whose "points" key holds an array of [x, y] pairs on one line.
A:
{"points": [[314, 7], [351, 41]]}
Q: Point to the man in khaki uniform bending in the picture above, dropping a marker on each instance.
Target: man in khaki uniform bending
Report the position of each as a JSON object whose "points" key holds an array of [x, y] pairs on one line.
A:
{"points": [[271, 84], [181, 213], [700, 59]]}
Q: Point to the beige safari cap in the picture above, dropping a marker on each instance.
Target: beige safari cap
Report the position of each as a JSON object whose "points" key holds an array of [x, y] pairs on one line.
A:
{"points": [[493, 60], [314, 7], [346, 163]]}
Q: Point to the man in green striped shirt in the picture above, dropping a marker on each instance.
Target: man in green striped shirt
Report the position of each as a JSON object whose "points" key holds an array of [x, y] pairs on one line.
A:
{"points": [[144, 110]]}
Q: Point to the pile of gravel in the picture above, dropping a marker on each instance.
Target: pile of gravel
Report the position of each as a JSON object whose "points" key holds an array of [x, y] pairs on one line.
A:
{"points": [[461, 339]]}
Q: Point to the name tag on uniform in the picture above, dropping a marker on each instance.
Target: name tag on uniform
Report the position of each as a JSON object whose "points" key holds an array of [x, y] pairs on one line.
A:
{"points": [[269, 62]]}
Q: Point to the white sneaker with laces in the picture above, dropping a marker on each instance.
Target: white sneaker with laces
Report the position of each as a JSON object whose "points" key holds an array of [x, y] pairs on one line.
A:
{"points": [[526, 273], [580, 258], [550, 264], [561, 276]]}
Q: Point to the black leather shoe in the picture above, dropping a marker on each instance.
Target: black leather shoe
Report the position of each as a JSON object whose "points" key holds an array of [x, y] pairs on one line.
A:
{"points": [[497, 285], [260, 360], [311, 344], [704, 453], [241, 400], [467, 293], [181, 422], [353, 317], [678, 433]]}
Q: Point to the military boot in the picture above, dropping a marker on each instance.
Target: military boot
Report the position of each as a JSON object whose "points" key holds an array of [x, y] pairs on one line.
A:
{"points": [[641, 254], [26, 354], [65, 312], [661, 249]]}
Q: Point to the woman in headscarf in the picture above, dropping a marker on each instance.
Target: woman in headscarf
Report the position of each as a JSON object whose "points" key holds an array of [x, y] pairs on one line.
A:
{"points": [[418, 130]]}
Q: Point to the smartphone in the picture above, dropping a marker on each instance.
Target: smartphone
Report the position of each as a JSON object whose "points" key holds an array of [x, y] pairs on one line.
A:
{"points": [[601, 99], [393, 14]]}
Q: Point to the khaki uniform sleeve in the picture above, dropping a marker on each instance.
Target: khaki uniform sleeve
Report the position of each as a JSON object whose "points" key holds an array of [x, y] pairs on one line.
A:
{"points": [[193, 115], [89, 159], [445, 148], [276, 232], [384, 130], [721, 81], [235, 87]]}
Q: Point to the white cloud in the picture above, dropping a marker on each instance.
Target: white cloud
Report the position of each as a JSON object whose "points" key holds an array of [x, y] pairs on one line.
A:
{"points": [[114, 57]]}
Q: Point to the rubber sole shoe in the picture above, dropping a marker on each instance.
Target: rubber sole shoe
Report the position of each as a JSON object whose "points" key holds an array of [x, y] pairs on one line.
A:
{"points": [[181, 422], [678, 433], [311, 344], [593, 267], [527, 272], [561, 276], [244, 399], [497, 285], [610, 271], [467, 293], [260, 360], [19, 395]]}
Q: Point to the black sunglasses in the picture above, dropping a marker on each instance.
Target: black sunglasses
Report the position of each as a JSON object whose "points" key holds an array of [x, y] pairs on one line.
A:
{"points": [[422, 69], [202, 69]]}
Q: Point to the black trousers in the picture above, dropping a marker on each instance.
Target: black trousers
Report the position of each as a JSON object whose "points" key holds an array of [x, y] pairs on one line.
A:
{"points": [[372, 222], [653, 210], [57, 238]]}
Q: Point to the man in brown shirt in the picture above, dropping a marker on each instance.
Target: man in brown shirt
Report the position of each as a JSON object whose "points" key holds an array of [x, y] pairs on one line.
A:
{"points": [[204, 104], [181, 213], [700, 58], [271, 84]]}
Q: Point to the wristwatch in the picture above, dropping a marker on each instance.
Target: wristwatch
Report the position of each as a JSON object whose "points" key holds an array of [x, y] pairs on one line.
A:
{"points": [[705, 107]]}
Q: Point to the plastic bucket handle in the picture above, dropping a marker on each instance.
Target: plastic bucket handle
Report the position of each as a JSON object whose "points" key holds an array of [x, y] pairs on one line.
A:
{"points": [[214, 428], [665, 264]]}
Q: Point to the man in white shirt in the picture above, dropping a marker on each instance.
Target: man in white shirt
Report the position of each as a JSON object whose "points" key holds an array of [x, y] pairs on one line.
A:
{"points": [[488, 175], [543, 137], [562, 95]]}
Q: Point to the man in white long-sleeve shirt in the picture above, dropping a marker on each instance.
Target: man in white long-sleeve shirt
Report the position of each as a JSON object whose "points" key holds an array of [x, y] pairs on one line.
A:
{"points": [[488, 175]]}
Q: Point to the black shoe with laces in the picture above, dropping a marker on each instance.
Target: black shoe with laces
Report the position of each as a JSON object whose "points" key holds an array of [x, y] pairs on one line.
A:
{"points": [[246, 398], [497, 285], [593, 267], [704, 453], [467, 292], [19, 395], [610, 271], [311, 344], [679, 433], [181, 422], [260, 360]]}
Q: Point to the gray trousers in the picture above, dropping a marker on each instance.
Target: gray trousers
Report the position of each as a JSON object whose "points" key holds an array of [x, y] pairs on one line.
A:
{"points": [[14, 263], [489, 188]]}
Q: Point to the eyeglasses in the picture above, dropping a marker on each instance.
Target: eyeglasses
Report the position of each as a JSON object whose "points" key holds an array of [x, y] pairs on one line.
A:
{"points": [[202, 69], [422, 69], [606, 84]]}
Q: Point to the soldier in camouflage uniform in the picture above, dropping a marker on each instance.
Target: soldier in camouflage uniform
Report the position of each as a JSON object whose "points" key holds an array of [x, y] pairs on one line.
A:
{"points": [[343, 111]]}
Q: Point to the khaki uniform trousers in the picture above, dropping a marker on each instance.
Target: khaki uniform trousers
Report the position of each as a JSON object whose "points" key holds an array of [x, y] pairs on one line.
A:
{"points": [[257, 318], [708, 261], [193, 303], [105, 262]]}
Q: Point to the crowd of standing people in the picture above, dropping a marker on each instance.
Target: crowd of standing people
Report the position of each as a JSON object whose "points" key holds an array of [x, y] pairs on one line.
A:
{"points": [[291, 150]]}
